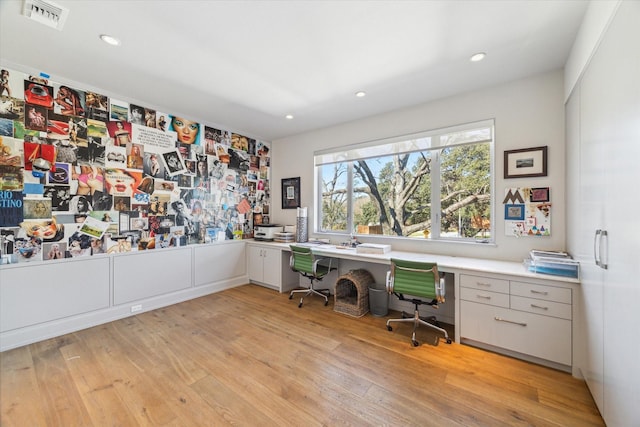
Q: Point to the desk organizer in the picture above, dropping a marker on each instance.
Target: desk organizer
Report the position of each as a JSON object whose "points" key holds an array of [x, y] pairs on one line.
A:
{"points": [[554, 263], [352, 293]]}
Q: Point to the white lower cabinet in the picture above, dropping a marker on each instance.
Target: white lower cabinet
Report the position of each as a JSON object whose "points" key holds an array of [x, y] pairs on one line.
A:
{"points": [[270, 267], [528, 319]]}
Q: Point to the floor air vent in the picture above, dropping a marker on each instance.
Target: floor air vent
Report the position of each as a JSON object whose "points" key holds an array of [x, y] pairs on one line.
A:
{"points": [[46, 12]]}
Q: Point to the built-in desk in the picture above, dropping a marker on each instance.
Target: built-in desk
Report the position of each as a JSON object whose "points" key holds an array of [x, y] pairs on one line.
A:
{"points": [[497, 305]]}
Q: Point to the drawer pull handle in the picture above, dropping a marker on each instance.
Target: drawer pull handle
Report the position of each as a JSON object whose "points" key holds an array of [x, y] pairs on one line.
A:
{"points": [[484, 284], [500, 319], [539, 306], [539, 292], [483, 297]]}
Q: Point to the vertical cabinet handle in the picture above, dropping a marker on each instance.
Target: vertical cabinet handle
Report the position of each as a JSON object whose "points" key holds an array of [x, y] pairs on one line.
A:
{"points": [[604, 236], [600, 236], [596, 248]]}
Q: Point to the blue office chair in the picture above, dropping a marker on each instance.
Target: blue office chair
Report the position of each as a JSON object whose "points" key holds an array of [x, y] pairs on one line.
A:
{"points": [[304, 262], [420, 279]]}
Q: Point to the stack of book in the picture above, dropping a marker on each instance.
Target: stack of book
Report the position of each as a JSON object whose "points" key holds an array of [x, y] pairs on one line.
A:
{"points": [[284, 237], [556, 263]]}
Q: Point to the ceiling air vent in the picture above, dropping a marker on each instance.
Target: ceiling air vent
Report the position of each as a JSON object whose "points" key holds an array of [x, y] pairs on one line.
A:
{"points": [[46, 12]]}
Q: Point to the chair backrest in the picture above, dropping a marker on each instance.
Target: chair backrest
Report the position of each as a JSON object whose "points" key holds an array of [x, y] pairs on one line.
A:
{"points": [[415, 278], [301, 259]]}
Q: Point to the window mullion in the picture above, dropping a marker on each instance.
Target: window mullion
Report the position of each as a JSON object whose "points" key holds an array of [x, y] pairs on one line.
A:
{"points": [[435, 193], [350, 172]]}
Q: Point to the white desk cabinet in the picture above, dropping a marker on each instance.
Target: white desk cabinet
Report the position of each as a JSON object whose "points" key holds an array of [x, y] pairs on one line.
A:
{"points": [[526, 318], [269, 267]]}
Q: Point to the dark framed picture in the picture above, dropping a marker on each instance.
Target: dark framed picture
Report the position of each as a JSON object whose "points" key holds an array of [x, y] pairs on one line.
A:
{"points": [[514, 212], [291, 193], [525, 163], [540, 194]]}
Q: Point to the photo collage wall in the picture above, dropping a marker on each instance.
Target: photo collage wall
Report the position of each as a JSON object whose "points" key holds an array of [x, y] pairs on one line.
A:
{"points": [[84, 174]]}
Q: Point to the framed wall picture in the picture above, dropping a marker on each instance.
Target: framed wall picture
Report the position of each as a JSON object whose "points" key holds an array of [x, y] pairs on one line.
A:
{"points": [[540, 194], [514, 212], [526, 162], [291, 193]]}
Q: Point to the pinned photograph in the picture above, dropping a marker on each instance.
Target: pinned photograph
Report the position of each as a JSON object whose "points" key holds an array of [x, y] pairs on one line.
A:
{"points": [[96, 106], [173, 163], [11, 151], [93, 227], [37, 208], [119, 110]]}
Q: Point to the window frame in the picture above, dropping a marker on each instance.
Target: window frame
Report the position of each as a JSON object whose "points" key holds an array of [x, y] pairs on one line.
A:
{"points": [[398, 145]]}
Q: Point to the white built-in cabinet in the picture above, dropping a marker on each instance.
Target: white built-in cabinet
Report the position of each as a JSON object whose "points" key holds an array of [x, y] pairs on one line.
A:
{"points": [[603, 174], [269, 267], [41, 300], [529, 320]]}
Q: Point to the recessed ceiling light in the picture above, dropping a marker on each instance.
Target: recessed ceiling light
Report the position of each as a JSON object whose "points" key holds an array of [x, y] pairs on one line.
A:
{"points": [[478, 57], [110, 40], [289, 116], [360, 94]]}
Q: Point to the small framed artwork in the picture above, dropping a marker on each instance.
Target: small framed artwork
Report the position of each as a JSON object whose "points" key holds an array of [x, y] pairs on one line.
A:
{"points": [[514, 212], [291, 193], [540, 194], [525, 163]]}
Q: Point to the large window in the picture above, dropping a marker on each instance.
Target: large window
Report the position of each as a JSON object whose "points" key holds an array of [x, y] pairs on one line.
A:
{"points": [[433, 185]]}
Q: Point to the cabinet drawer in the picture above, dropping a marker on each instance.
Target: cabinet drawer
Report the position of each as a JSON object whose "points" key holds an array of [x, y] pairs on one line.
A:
{"points": [[545, 337], [545, 308], [484, 297], [484, 283], [547, 293]]}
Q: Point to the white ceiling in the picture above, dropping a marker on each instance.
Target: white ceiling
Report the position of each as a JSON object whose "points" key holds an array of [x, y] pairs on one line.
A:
{"points": [[244, 65]]}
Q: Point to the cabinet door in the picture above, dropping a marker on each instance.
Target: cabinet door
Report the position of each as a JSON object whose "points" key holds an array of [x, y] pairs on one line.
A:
{"points": [[256, 262], [612, 81], [590, 214], [272, 267]]}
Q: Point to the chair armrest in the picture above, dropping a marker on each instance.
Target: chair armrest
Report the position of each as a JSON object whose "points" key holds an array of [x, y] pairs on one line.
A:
{"points": [[389, 283], [440, 288], [318, 260]]}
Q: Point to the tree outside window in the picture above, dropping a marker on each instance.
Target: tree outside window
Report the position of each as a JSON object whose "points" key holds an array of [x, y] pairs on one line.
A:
{"points": [[392, 195]]}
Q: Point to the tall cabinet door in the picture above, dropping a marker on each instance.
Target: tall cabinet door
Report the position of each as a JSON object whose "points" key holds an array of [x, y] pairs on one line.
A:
{"points": [[609, 177], [619, 56], [592, 150], [585, 213]]}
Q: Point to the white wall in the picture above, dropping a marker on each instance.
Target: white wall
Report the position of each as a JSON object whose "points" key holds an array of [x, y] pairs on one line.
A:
{"points": [[527, 113]]}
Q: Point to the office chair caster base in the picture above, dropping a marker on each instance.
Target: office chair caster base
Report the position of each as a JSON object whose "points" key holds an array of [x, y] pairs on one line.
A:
{"points": [[291, 296], [300, 303], [326, 303], [389, 328], [415, 343]]}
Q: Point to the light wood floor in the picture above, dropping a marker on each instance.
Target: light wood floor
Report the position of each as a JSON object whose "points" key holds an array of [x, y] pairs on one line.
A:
{"points": [[250, 357]]}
